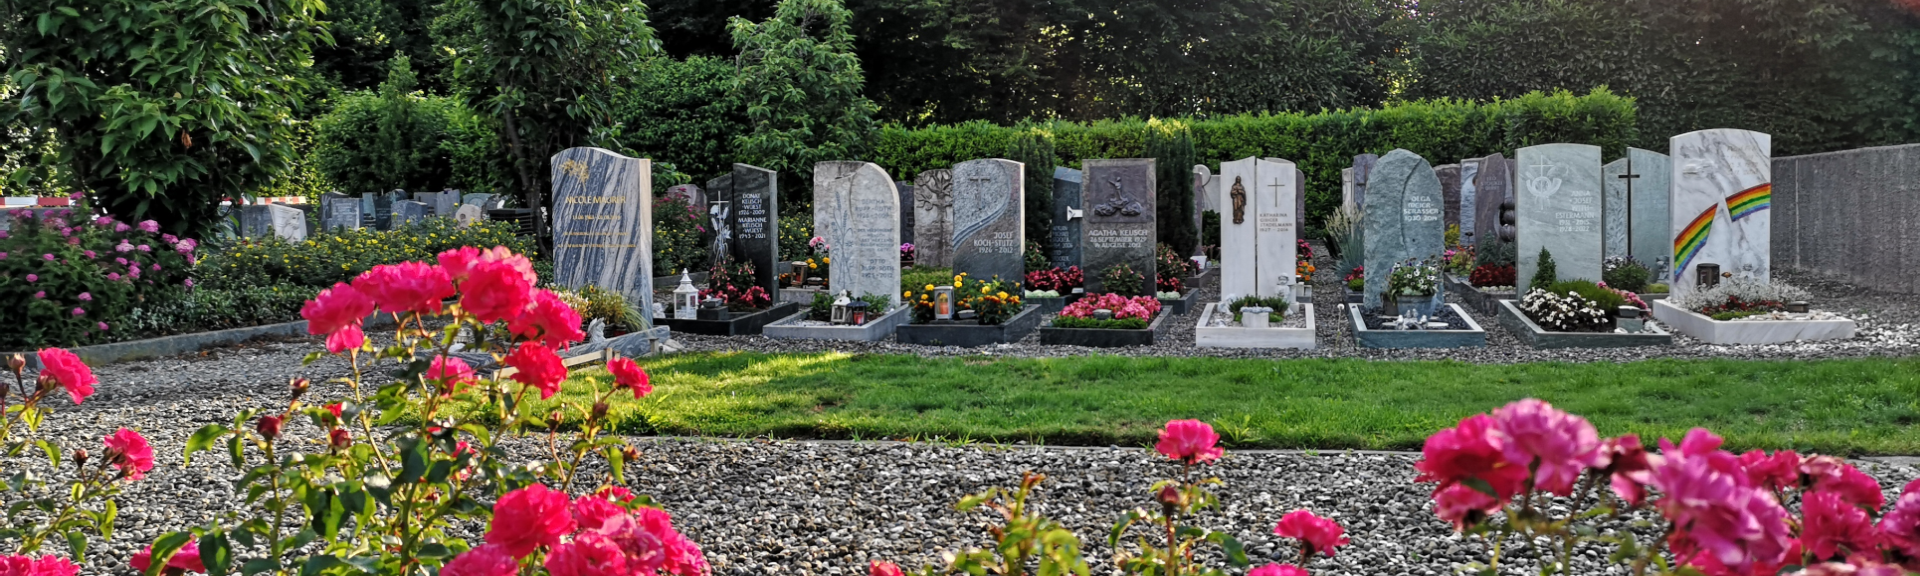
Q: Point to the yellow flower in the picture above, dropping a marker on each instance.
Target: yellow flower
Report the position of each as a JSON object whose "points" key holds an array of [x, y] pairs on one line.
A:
{"points": [[909, 294], [929, 287], [1002, 294]]}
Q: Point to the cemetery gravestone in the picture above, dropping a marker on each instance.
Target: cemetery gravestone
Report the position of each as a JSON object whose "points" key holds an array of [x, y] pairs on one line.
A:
{"points": [[339, 211], [857, 209], [696, 197], [1240, 229], [1403, 211], [467, 214], [441, 203], [1722, 195], [1449, 175], [1119, 228], [755, 227], [1491, 188], [1346, 188], [1213, 192], [1201, 202], [1613, 209], [719, 211], [1558, 208], [603, 223], [933, 218], [484, 201], [1469, 170], [1281, 195], [409, 211], [906, 213], [263, 220], [1649, 180], [1068, 215], [1362, 169], [1299, 201], [988, 219]]}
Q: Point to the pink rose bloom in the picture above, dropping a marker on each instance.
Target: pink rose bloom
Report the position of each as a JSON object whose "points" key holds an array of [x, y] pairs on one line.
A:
{"points": [[40, 295], [494, 291], [4, 235], [187, 558], [79, 312], [1278, 570], [169, 238], [1778, 471], [31, 278], [129, 452], [123, 247], [1900, 528], [1830, 474], [592, 512], [149, 226], [451, 373], [459, 262], [1564, 445], [121, 228], [589, 554], [487, 560], [406, 287], [1317, 535], [74, 241], [115, 276], [3, 255], [615, 494], [89, 254], [1630, 467], [628, 374], [144, 248], [66, 369], [646, 550], [529, 518], [47, 257], [335, 310], [42, 566], [1832, 528], [1473, 450], [1189, 441], [153, 268], [1708, 492], [86, 296], [883, 569], [1463, 506], [538, 367], [103, 326], [683, 557], [548, 321], [1867, 568]]}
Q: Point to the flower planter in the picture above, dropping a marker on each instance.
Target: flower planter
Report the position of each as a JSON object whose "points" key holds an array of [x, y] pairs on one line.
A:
{"points": [[1181, 305], [161, 347], [1711, 331], [1205, 336], [1473, 337], [801, 296], [1105, 337], [1053, 305], [1477, 299], [968, 335], [879, 329], [737, 324], [1530, 333]]}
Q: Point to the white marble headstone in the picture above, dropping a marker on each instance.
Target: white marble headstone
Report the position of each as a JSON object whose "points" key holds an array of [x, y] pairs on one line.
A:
{"points": [[1274, 204], [1239, 228], [856, 208], [1722, 199]]}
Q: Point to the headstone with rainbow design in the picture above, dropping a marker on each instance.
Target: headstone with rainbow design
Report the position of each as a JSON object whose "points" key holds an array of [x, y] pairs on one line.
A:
{"points": [[1722, 195]]}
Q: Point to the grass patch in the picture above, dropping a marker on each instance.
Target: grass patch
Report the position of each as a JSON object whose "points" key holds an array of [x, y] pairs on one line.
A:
{"points": [[1850, 407]]}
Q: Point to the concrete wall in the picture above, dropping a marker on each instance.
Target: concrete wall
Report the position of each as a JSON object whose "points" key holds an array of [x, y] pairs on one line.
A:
{"points": [[1854, 215]]}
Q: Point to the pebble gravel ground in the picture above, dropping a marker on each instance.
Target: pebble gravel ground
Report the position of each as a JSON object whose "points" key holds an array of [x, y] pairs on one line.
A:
{"points": [[826, 508], [1887, 325]]}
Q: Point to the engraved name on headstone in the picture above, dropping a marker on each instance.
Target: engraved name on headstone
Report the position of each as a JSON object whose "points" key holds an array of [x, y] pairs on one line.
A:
{"points": [[756, 219], [1558, 208], [988, 217], [1120, 216], [1403, 219], [603, 223]]}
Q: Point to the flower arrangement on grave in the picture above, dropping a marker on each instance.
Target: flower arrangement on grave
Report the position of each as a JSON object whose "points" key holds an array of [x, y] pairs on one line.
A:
{"points": [[1303, 271], [1631, 298], [407, 483], [71, 280], [69, 512], [1493, 276], [1034, 256], [1129, 313], [989, 300], [1170, 269], [1564, 312], [680, 235], [1718, 512], [1735, 298], [1056, 280], [1625, 273], [819, 263], [1460, 261], [1302, 250], [906, 255], [733, 283], [1356, 278], [821, 308], [1414, 278], [1279, 304], [1121, 279]]}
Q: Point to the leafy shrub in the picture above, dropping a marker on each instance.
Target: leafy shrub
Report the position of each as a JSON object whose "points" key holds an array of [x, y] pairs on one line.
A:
{"points": [[680, 235], [70, 280], [1607, 299], [1544, 273], [1460, 261], [400, 139], [821, 308], [1490, 275], [321, 261], [1035, 256], [682, 112], [594, 302], [182, 311], [1121, 279], [1452, 236], [1740, 294], [733, 282], [1625, 273], [1563, 312], [796, 231], [1493, 251], [1170, 268], [923, 279]]}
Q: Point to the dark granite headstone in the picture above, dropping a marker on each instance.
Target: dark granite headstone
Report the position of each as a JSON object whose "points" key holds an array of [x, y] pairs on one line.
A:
{"points": [[989, 219], [906, 211], [756, 218], [1120, 216], [933, 218], [1403, 221], [856, 208], [338, 211], [1067, 217], [603, 224], [408, 211], [1449, 175], [1492, 186], [1362, 167], [263, 220]]}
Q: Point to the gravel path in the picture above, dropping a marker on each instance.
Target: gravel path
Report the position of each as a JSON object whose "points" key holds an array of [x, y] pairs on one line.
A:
{"points": [[824, 508], [1888, 325]]}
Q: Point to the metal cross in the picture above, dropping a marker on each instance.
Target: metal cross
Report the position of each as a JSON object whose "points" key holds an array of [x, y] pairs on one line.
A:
{"points": [[1629, 176]]}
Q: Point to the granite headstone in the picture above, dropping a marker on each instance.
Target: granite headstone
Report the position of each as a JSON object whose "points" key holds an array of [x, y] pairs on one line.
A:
{"points": [[1491, 188], [1449, 175], [1120, 220], [409, 211], [1403, 211], [756, 223], [1650, 220], [933, 218], [988, 219], [856, 208], [603, 223], [906, 213], [1722, 200], [1067, 217], [484, 201], [339, 211], [1558, 207], [1346, 188], [1613, 209]]}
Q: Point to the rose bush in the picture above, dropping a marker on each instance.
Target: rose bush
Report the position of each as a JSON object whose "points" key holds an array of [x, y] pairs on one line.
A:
{"points": [[88, 505]]}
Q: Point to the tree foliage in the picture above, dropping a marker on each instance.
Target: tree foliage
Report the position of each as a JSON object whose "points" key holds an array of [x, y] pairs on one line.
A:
{"points": [[1170, 144], [1033, 147], [800, 84], [402, 139], [161, 109], [682, 112]]}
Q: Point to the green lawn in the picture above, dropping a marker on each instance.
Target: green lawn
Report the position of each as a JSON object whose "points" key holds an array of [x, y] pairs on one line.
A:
{"points": [[1836, 407]]}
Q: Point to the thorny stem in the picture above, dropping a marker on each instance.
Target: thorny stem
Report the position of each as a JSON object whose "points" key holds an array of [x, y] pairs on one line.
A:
{"points": [[90, 482]]}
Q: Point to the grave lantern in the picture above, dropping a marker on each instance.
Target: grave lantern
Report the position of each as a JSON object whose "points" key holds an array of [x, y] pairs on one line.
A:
{"points": [[840, 307], [1799, 307], [686, 299], [1707, 275], [857, 312], [799, 273], [943, 303]]}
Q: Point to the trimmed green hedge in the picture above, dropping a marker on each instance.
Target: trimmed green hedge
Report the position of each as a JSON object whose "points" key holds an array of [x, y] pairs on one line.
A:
{"points": [[1443, 131]]}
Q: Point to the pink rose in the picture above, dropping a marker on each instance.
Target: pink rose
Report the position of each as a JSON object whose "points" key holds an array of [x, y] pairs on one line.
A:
{"points": [[451, 373], [628, 374], [1562, 444], [1778, 471], [40, 295], [591, 512], [494, 291], [47, 257], [1900, 528], [1833, 528], [1316, 535], [103, 326], [42, 566], [69, 372], [1463, 506], [149, 226], [144, 248], [406, 287], [337, 312], [129, 452], [1277, 570], [528, 518], [539, 367], [31, 278], [883, 569], [1630, 467], [589, 554], [1707, 491], [123, 247], [1830, 474], [487, 560], [548, 321], [1473, 450], [187, 558], [121, 228], [1189, 441]]}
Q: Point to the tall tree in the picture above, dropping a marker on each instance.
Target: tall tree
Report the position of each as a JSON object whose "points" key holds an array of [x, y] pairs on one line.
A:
{"points": [[1170, 144], [544, 71], [800, 83], [161, 109]]}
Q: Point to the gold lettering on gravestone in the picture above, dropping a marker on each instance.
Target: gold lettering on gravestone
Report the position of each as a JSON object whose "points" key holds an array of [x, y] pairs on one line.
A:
{"points": [[574, 168], [596, 199]]}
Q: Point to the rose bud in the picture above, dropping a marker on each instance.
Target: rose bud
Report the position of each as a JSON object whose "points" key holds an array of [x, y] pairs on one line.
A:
{"points": [[630, 452], [599, 410], [300, 386], [1171, 497], [17, 363], [339, 438], [553, 420], [80, 458], [269, 426]]}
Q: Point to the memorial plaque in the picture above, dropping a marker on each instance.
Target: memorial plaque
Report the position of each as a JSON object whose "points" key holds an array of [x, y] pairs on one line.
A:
{"points": [[1469, 170], [1068, 216], [1722, 200], [1403, 219], [1492, 187], [756, 223], [988, 217], [856, 208], [1649, 191], [1558, 208], [933, 218], [1119, 228], [603, 224]]}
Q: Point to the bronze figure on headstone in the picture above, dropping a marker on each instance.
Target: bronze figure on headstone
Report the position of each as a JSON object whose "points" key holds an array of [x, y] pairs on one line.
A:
{"points": [[1239, 195]]}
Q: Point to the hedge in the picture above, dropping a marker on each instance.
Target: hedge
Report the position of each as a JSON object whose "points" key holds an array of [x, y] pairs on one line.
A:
{"points": [[1443, 131]]}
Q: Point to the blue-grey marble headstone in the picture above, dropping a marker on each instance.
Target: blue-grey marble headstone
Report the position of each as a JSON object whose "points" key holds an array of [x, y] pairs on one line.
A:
{"points": [[1120, 222], [988, 219], [1403, 219], [1649, 190], [1067, 217], [339, 211], [1558, 208], [1469, 196], [603, 223], [756, 218]]}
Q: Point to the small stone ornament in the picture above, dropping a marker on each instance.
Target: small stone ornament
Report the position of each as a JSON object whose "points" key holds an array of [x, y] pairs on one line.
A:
{"points": [[1799, 307], [1255, 317]]}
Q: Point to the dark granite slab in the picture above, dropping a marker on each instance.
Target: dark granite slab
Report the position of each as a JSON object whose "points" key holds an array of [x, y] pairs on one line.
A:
{"points": [[736, 324], [1530, 333], [966, 335], [1105, 337]]}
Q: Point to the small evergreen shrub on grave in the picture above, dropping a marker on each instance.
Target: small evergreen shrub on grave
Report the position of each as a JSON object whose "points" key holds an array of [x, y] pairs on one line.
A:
{"points": [[1121, 279], [1625, 273], [1544, 274], [1493, 276], [68, 279], [1453, 236], [821, 309], [1279, 304], [324, 260], [680, 235], [1495, 252]]}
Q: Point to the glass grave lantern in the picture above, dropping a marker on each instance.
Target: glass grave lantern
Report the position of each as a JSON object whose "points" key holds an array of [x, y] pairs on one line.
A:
{"points": [[686, 299], [857, 313], [799, 273], [943, 303], [840, 308]]}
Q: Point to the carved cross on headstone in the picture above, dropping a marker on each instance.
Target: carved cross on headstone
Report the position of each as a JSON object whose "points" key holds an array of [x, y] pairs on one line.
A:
{"points": [[1276, 186]]}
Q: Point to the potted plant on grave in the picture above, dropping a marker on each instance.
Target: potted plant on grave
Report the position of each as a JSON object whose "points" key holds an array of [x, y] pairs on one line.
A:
{"points": [[1574, 306], [1121, 279], [733, 283], [819, 263], [1411, 287], [1356, 280], [1170, 269], [1053, 288], [1626, 273]]}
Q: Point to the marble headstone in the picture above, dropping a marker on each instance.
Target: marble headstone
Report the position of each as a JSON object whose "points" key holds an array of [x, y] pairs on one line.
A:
{"points": [[1362, 169], [1213, 191], [1650, 219], [1449, 175], [409, 211], [1278, 222], [1403, 210], [1240, 229], [1722, 200], [1613, 209], [263, 220], [1558, 208], [1492, 186], [468, 214], [1201, 203], [442, 202], [907, 226], [933, 218], [1067, 217], [988, 219], [1346, 188], [856, 208], [484, 201], [339, 211], [756, 223], [696, 196], [1469, 170], [1120, 220], [603, 223]]}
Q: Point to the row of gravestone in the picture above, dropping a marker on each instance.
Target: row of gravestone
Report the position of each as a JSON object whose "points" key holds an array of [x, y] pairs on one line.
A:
{"points": [[342, 212], [1707, 203]]}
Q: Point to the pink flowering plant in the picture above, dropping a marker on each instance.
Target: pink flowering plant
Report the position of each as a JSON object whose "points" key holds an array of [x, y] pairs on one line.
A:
{"points": [[70, 278], [1531, 470], [87, 506], [378, 494], [1128, 313]]}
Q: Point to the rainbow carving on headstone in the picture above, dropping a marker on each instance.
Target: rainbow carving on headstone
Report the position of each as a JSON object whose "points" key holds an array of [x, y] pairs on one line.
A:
{"points": [[1750, 200], [1691, 239]]}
